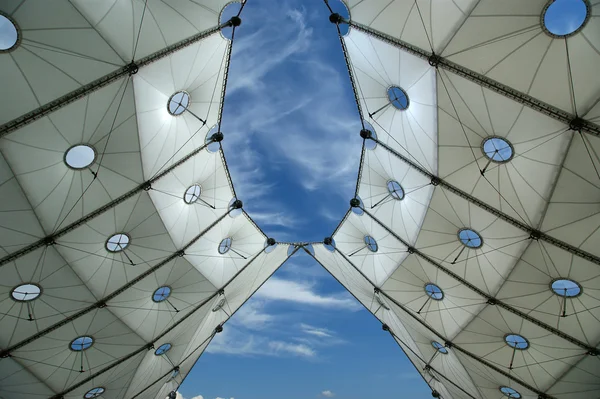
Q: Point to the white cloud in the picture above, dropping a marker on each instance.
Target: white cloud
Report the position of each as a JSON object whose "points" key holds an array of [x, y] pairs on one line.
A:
{"points": [[180, 396], [303, 293], [294, 349], [319, 332], [252, 316], [328, 394]]}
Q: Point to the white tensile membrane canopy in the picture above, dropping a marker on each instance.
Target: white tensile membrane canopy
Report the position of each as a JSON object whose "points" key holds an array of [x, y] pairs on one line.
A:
{"points": [[473, 236]]}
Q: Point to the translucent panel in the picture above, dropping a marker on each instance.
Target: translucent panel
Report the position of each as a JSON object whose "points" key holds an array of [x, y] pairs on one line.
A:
{"points": [[398, 97], [80, 156], [395, 190], [26, 292], [94, 393], [498, 149], [178, 103], [565, 17], [510, 393], [8, 33], [470, 238], [192, 194], [565, 287], [164, 348], [516, 341], [161, 294], [434, 292], [81, 343], [371, 243], [117, 242], [225, 245], [370, 144], [441, 348]]}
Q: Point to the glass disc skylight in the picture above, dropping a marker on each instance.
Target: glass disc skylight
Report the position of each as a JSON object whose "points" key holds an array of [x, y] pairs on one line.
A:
{"points": [[225, 245], [161, 294], [398, 98], [161, 350], [510, 393], [434, 292], [565, 287], [498, 149], [395, 190], [470, 238], [178, 103], [565, 17], [94, 393], [117, 242], [26, 292], [371, 243], [80, 156], [81, 343], [192, 194], [9, 35], [516, 341], [440, 348]]}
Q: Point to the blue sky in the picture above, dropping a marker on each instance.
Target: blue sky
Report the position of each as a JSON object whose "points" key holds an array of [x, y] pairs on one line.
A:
{"points": [[292, 142]]}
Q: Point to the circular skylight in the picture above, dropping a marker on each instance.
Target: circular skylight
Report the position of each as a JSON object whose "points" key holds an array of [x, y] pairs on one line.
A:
{"points": [[510, 393], [498, 149], [225, 245], [370, 144], [440, 348], [117, 242], [340, 8], [230, 10], [359, 209], [395, 190], [161, 294], [516, 341], [80, 156], [371, 243], [214, 146], [470, 238], [81, 343], [563, 18], [330, 246], [26, 292], [178, 103], [174, 374], [434, 292], [398, 98], [234, 212], [565, 287], [164, 348], [94, 393], [192, 194], [9, 34]]}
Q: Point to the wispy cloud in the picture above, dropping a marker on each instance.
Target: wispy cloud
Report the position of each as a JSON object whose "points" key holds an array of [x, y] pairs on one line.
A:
{"points": [[328, 394], [304, 293]]}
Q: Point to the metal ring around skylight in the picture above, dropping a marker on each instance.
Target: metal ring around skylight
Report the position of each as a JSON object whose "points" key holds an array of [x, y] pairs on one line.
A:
{"points": [[192, 194], [161, 350], [117, 242], [161, 293], [81, 343], [566, 287], [94, 393], [26, 292], [80, 156], [398, 98], [497, 149], [229, 10], [510, 392], [565, 18], [371, 243], [395, 190], [434, 292], [440, 348], [516, 341], [225, 245], [470, 238], [178, 103], [10, 33]]}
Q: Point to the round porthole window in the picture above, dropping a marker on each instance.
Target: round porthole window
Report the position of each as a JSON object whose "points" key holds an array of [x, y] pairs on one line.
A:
{"points": [[164, 348], [370, 144], [117, 242], [161, 294], [434, 292], [81, 343], [395, 190], [9, 33], [398, 98], [510, 393], [371, 244], [80, 156], [440, 348], [94, 393], [563, 18], [178, 103], [470, 238], [26, 292], [225, 245], [565, 287], [516, 341], [192, 194], [498, 149]]}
